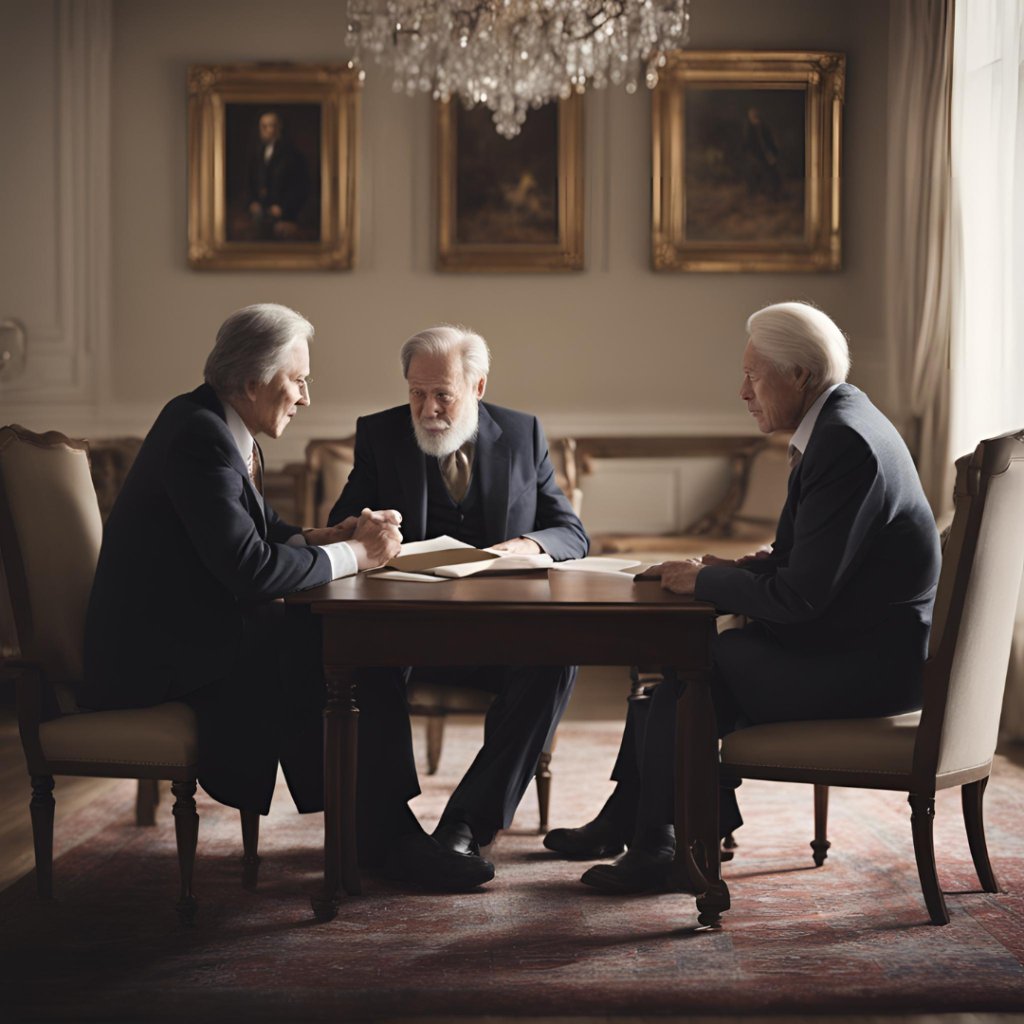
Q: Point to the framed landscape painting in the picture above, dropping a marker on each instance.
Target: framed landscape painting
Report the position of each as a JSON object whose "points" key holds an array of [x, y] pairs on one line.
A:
{"points": [[747, 150], [272, 162], [510, 204]]}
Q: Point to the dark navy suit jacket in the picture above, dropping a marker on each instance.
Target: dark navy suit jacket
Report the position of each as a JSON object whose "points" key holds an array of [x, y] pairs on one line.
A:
{"points": [[517, 480], [856, 557], [187, 551]]}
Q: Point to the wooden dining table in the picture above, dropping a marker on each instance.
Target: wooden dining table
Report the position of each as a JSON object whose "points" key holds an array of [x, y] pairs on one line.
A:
{"points": [[548, 617]]}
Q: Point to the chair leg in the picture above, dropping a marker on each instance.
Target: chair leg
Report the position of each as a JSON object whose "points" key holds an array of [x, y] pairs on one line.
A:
{"points": [[147, 800], [972, 796], [922, 818], [543, 777], [41, 810], [435, 740], [250, 842], [820, 843], [186, 832]]}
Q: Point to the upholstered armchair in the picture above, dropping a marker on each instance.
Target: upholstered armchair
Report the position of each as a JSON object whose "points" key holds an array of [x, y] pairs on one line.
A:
{"points": [[952, 740], [328, 464], [50, 533]]}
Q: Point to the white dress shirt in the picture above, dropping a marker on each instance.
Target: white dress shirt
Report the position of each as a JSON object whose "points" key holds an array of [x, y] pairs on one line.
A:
{"points": [[798, 443], [343, 558]]}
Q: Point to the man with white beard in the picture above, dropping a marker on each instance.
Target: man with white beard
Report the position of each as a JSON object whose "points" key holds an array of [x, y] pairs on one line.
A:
{"points": [[454, 465]]}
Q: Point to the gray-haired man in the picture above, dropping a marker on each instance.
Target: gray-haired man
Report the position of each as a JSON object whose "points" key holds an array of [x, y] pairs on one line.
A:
{"points": [[193, 557], [455, 465]]}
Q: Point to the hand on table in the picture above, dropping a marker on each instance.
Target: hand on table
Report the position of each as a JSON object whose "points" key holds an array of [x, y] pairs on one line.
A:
{"points": [[519, 546], [680, 577], [375, 537], [736, 563]]}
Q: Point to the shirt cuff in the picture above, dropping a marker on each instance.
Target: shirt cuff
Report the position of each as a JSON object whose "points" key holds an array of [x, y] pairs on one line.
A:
{"points": [[343, 558]]}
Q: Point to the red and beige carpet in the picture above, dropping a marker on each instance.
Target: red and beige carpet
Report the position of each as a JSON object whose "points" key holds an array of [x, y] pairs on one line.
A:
{"points": [[851, 937]]}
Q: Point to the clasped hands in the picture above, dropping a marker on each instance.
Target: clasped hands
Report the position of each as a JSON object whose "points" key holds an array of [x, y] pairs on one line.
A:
{"points": [[681, 577], [374, 537]]}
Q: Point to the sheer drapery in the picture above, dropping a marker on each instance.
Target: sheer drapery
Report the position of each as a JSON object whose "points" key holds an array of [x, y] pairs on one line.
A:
{"points": [[987, 358], [920, 249]]}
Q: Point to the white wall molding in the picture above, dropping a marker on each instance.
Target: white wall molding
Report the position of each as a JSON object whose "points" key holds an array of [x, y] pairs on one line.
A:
{"points": [[68, 341]]}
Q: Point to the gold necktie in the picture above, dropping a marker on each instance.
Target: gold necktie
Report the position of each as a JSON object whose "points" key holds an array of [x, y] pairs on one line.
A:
{"points": [[255, 469], [794, 457], [455, 468]]}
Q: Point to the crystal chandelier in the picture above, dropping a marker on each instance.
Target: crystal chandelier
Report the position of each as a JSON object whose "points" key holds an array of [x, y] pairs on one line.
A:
{"points": [[514, 54]]}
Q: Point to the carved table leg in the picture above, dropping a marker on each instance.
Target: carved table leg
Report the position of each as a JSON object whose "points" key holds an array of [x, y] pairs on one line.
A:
{"points": [[41, 811], [250, 844], [698, 843], [341, 722], [186, 832]]}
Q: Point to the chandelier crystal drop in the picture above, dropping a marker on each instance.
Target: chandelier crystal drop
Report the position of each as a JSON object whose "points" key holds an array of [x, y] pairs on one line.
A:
{"points": [[511, 55]]}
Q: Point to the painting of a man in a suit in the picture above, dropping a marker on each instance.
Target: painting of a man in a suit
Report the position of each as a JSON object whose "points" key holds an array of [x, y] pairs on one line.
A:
{"points": [[273, 187]]}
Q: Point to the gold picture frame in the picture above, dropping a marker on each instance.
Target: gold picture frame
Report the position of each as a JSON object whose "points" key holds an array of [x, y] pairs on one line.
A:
{"points": [[234, 222], [727, 196], [494, 244]]}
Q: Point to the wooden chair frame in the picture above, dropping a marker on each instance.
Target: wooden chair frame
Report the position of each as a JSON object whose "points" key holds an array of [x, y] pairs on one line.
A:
{"points": [[974, 472], [32, 685]]}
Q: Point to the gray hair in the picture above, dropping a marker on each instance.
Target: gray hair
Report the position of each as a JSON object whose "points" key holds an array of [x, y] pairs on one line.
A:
{"points": [[252, 345], [791, 334], [440, 341]]}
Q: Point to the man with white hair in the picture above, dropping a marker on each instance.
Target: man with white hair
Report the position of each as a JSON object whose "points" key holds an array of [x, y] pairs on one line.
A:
{"points": [[193, 558], [839, 609], [454, 465]]}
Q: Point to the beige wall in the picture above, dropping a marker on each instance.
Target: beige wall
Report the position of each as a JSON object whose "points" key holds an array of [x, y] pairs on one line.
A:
{"points": [[614, 348]]}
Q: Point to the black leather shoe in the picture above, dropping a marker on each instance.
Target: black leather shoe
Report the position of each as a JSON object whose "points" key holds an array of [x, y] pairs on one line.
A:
{"points": [[644, 866], [420, 860], [457, 837], [596, 840]]}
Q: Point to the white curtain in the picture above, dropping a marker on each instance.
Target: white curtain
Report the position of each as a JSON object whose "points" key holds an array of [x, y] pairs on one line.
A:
{"points": [[919, 249], [987, 357]]}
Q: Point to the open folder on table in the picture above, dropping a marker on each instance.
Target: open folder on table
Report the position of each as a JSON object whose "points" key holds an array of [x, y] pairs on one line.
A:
{"points": [[447, 558]]}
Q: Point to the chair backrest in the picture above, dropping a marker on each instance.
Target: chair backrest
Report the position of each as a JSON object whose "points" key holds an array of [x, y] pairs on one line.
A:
{"points": [[50, 534], [975, 607]]}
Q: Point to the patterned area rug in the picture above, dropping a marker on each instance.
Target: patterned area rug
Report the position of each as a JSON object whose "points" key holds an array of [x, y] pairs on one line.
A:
{"points": [[851, 937]]}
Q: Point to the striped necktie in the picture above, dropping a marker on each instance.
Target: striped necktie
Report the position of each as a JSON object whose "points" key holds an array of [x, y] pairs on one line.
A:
{"points": [[256, 470]]}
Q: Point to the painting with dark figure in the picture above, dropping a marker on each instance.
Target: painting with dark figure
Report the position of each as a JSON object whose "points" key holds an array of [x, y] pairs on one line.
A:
{"points": [[507, 189], [272, 172], [745, 165]]}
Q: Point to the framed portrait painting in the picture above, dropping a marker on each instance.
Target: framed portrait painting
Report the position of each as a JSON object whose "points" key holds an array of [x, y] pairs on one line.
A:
{"points": [[510, 204], [272, 165], [747, 150]]}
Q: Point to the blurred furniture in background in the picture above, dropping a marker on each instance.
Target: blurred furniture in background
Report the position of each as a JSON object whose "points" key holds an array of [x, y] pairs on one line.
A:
{"points": [[50, 534]]}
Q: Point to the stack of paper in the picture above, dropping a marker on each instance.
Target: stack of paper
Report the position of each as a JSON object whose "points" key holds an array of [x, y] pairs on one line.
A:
{"points": [[447, 558]]}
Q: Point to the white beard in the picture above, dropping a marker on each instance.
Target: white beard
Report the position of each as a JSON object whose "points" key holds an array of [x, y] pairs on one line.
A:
{"points": [[444, 442]]}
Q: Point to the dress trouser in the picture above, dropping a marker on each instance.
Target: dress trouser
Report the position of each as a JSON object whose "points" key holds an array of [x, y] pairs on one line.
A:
{"points": [[757, 681], [268, 710], [529, 702]]}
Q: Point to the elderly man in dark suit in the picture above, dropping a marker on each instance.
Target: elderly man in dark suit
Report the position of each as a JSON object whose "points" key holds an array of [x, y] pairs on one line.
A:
{"points": [[456, 466], [193, 557], [839, 610]]}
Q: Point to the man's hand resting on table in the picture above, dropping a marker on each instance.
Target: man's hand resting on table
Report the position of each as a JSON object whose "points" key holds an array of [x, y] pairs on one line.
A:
{"points": [[374, 537], [681, 577], [737, 563], [519, 546]]}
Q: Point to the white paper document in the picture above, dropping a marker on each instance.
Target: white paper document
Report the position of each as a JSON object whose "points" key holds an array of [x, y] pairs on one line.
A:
{"points": [[611, 565], [409, 577]]}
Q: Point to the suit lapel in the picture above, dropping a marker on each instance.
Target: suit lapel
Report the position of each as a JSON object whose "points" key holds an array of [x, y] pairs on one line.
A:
{"points": [[207, 397], [493, 463], [411, 466]]}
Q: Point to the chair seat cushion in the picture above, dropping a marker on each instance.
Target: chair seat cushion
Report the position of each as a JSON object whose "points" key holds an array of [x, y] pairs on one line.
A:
{"points": [[881, 745], [161, 735], [439, 698]]}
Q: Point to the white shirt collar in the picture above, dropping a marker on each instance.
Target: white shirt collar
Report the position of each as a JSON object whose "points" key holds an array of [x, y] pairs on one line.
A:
{"points": [[240, 432], [803, 432]]}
